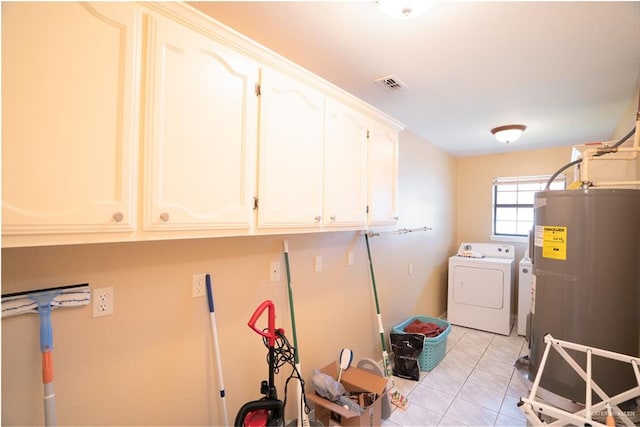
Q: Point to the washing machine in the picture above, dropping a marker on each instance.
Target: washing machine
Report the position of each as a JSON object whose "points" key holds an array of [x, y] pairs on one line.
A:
{"points": [[481, 287], [525, 279]]}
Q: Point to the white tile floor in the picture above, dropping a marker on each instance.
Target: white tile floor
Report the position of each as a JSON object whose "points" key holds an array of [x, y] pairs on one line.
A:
{"points": [[475, 384]]}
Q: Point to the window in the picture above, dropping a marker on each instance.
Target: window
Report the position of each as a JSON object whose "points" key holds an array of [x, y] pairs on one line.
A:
{"points": [[513, 202]]}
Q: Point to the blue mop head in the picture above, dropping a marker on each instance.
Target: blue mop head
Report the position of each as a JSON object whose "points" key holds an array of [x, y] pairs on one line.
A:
{"points": [[35, 301]]}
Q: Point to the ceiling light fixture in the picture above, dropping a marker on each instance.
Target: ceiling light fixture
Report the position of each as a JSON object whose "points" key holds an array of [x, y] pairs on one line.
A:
{"points": [[404, 9], [508, 133]]}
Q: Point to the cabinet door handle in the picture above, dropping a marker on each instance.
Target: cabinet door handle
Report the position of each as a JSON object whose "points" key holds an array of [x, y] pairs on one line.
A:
{"points": [[318, 218], [164, 216], [333, 218], [395, 218], [118, 217]]}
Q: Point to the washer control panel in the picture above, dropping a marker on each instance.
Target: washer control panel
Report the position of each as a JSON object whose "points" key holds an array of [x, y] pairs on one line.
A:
{"points": [[488, 250]]}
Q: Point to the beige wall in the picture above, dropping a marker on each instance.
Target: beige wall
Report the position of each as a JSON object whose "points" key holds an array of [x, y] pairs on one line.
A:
{"points": [[629, 117], [152, 363], [475, 198], [475, 175]]}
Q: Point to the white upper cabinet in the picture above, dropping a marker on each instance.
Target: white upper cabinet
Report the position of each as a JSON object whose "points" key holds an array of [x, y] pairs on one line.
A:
{"points": [[345, 166], [70, 82], [201, 133], [382, 165], [127, 121], [290, 153]]}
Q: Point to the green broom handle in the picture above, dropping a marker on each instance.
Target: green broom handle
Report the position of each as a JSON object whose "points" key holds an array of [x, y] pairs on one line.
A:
{"points": [[373, 278], [296, 356], [303, 417], [385, 360]]}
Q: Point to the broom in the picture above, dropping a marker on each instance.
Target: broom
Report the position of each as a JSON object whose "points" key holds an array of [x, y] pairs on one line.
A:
{"points": [[385, 355]]}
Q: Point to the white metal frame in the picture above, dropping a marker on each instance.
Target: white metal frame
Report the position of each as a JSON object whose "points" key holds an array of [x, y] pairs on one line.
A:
{"points": [[530, 407], [624, 153]]}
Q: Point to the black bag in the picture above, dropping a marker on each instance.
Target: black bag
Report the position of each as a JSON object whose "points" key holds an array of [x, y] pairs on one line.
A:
{"points": [[406, 349]]}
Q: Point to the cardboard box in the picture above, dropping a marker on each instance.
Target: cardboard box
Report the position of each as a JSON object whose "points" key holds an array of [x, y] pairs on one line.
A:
{"points": [[353, 379]]}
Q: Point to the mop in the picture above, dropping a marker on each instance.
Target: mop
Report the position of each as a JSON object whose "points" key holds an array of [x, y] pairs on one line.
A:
{"points": [[42, 302], [216, 347]]}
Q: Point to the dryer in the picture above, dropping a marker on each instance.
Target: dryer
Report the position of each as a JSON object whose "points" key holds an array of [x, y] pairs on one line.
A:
{"points": [[481, 287]]}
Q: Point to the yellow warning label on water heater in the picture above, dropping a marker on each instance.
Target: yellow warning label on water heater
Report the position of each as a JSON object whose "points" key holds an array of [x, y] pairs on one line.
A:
{"points": [[554, 242]]}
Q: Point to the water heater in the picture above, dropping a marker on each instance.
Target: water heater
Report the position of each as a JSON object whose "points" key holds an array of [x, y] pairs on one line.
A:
{"points": [[586, 288]]}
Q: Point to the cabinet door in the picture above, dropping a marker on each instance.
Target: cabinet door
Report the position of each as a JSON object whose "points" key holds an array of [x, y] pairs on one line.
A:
{"points": [[345, 172], [290, 159], [382, 153], [69, 117], [201, 137]]}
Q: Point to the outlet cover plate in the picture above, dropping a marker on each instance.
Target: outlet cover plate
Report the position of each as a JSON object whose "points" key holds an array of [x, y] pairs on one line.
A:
{"points": [[198, 286], [103, 301]]}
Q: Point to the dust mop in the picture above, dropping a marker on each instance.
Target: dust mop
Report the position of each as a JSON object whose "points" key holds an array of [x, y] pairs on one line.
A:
{"points": [[42, 302]]}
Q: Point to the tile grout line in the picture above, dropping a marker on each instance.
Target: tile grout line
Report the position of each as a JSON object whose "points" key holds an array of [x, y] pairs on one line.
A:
{"points": [[474, 368], [504, 394], [457, 395]]}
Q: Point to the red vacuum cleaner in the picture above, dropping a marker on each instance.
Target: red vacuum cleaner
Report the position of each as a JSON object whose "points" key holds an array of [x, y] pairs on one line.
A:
{"points": [[269, 410]]}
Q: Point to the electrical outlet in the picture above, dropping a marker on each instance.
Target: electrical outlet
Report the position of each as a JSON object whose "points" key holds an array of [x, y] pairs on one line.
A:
{"points": [[103, 302], [274, 271], [317, 263], [198, 285], [350, 258]]}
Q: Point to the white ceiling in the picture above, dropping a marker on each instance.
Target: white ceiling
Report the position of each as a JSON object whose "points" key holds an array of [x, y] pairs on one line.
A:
{"points": [[566, 70]]}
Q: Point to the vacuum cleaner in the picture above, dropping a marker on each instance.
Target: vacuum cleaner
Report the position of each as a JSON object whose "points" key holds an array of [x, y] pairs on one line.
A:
{"points": [[269, 410]]}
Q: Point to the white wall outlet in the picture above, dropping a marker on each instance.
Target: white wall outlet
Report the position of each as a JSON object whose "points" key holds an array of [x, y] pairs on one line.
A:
{"points": [[274, 271], [350, 258], [198, 285], [410, 269], [103, 302], [317, 263]]}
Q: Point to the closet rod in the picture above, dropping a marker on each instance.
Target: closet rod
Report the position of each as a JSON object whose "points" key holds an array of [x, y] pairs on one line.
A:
{"points": [[399, 231]]}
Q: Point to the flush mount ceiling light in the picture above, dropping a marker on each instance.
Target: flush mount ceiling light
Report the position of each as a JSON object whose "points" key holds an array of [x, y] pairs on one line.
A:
{"points": [[404, 9], [508, 133]]}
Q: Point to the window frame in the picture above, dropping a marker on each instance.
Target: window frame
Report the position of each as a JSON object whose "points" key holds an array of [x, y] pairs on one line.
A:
{"points": [[541, 180]]}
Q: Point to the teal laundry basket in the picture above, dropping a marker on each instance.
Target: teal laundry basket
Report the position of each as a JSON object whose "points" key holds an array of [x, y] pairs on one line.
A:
{"points": [[433, 349]]}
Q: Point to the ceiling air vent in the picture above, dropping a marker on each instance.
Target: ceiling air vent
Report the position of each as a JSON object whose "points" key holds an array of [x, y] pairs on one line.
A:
{"points": [[391, 83]]}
